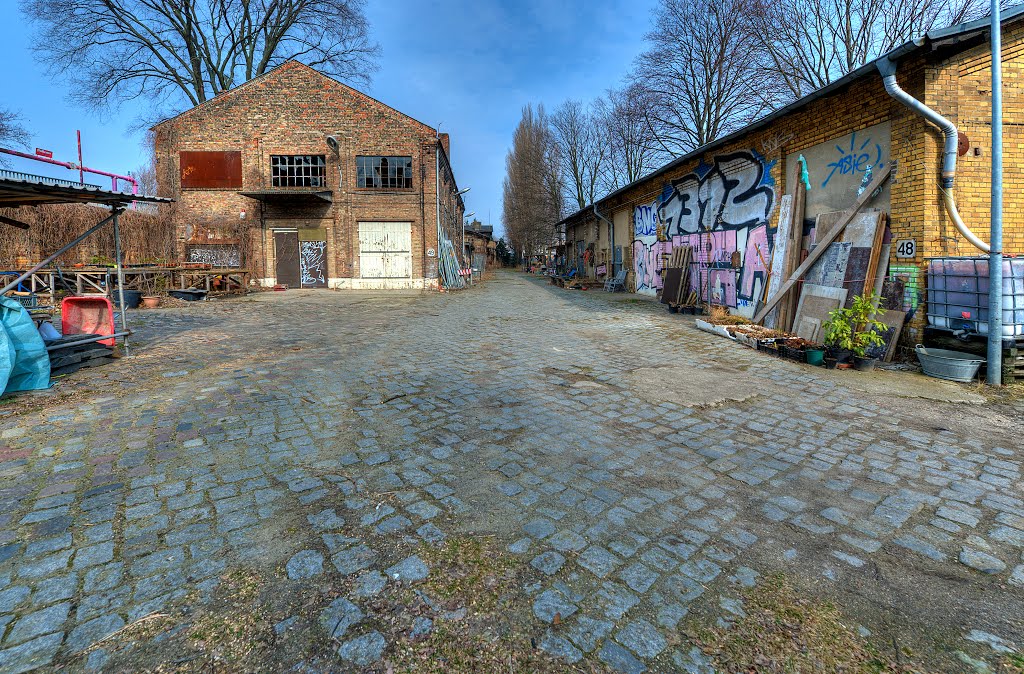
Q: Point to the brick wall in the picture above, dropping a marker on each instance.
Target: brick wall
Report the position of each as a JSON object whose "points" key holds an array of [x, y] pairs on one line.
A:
{"points": [[956, 86], [961, 87], [291, 110]]}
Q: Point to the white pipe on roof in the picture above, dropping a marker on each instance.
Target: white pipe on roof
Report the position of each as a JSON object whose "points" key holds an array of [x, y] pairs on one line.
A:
{"points": [[888, 70]]}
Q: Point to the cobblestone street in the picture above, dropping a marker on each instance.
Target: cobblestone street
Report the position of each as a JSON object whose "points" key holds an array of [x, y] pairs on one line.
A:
{"points": [[644, 474]]}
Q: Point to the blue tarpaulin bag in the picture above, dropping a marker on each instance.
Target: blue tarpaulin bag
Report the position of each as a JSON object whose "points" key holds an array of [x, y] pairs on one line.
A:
{"points": [[28, 369]]}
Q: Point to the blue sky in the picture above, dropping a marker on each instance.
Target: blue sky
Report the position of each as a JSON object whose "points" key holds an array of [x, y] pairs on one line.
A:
{"points": [[470, 65]]}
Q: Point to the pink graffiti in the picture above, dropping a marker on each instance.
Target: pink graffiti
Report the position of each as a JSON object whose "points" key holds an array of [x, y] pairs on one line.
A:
{"points": [[647, 263], [757, 240], [722, 287], [710, 248]]}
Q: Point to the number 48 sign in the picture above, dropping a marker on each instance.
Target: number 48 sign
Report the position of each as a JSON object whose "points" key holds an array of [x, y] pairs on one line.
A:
{"points": [[906, 249]]}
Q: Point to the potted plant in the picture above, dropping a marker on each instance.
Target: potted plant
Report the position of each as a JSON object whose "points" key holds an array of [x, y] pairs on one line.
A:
{"points": [[855, 330], [155, 286]]}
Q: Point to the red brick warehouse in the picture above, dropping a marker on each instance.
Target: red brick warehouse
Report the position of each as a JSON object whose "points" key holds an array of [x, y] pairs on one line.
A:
{"points": [[309, 183]]}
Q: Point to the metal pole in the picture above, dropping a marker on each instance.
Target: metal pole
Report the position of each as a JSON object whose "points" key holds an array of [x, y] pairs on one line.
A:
{"points": [[81, 173], [89, 340], [994, 371], [14, 284], [437, 198], [120, 279]]}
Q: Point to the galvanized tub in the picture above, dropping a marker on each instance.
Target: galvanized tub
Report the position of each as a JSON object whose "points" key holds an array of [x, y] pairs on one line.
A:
{"points": [[946, 364]]}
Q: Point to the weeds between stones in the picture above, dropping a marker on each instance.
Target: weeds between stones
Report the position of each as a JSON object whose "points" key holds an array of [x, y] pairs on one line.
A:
{"points": [[785, 632]]}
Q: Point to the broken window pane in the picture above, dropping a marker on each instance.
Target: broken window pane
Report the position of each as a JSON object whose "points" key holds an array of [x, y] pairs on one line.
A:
{"points": [[384, 172], [303, 170]]}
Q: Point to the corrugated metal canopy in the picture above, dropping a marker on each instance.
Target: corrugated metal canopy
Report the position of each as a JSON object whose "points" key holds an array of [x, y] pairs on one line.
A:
{"points": [[23, 189], [268, 196]]}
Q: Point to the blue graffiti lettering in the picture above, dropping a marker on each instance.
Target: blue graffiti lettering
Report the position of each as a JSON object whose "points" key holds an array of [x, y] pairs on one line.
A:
{"points": [[854, 159]]}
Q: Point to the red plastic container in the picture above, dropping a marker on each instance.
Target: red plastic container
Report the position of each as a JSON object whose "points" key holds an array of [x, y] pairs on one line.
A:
{"points": [[87, 315]]}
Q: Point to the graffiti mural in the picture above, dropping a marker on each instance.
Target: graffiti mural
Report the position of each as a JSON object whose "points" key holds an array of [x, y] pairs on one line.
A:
{"points": [[720, 209], [735, 192], [837, 167], [722, 286], [857, 158], [312, 263], [755, 261], [645, 219], [215, 255], [646, 263]]}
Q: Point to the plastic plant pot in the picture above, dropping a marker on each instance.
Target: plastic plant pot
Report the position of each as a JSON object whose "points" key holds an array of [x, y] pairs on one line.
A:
{"points": [[864, 364], [815, 357]]}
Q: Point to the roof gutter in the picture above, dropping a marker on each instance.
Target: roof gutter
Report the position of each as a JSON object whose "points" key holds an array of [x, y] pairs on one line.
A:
{"points": [[962, 30], [887, 67]]}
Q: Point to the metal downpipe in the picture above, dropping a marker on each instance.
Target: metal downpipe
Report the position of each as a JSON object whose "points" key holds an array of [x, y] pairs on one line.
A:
{"points": [[611, 238], [888, 71]]}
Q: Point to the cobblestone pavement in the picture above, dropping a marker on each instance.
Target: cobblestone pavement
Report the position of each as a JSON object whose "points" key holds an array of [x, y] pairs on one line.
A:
{"points": [[642, 468]]}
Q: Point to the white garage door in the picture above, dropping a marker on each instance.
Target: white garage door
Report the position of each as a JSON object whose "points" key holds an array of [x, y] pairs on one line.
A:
{"points": [[385, 249]]}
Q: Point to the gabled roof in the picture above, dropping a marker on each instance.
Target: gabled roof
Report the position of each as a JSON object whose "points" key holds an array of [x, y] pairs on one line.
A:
{"points": [[287, 65], [955, 36]]}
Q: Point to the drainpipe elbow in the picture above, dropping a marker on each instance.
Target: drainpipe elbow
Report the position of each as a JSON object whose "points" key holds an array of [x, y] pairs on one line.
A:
{"points": [[887, 69]]}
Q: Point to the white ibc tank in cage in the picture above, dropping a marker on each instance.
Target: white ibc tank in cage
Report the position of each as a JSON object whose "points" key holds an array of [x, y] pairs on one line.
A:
{"points": [[958, 295]]}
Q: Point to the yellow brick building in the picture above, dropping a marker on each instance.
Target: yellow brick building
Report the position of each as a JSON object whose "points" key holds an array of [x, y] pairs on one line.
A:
{"points": [[725, 197]]}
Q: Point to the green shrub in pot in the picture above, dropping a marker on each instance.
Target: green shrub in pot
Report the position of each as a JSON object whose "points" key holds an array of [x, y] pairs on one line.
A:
{"points": [[856, 329]]}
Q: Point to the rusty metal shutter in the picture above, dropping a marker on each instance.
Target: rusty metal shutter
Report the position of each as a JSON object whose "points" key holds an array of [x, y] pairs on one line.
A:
{"points": [[211, 170]]}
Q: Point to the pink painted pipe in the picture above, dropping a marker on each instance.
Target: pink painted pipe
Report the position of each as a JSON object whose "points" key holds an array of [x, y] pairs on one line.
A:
{"points": [[77, 167]]}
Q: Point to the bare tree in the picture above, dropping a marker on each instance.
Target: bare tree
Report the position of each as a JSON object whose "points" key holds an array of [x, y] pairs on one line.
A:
{"points": [[532, 189], [633, 151], [145, 173], [810, 43], [583, 154], [11, 131], [701, 73], [176, 52]]}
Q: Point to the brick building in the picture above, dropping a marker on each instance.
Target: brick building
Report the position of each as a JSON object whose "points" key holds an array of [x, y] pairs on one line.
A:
{"points": [[480, 246], [726, 194], [310, 183]]}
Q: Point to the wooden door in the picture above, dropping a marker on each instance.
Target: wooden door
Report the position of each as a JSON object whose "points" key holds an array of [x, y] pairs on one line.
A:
{"points": [[286, 251], [385, 249]]}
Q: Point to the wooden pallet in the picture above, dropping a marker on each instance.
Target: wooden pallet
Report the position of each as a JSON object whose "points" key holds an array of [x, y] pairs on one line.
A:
{"points": [[73, 358]]}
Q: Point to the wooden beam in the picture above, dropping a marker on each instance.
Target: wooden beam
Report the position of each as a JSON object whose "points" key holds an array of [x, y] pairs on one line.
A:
{"points": [[13, 223], [823, 245]]}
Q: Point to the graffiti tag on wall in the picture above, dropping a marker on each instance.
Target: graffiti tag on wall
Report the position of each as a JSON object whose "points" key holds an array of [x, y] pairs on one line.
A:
{"points": [[860, 154], [645, 220], [735, 192], [837, 167], [311, 262], [720, 209], [215, 255]]}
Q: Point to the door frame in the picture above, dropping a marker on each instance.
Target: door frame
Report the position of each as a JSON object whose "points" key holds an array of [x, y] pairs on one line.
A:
{"points": [[409, 253], [298, 254], [274, 231]]}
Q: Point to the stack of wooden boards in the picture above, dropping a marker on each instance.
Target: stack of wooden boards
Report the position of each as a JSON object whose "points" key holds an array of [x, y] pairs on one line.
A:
{"points": [[844, 256], [677, 290], [68, 359]]}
